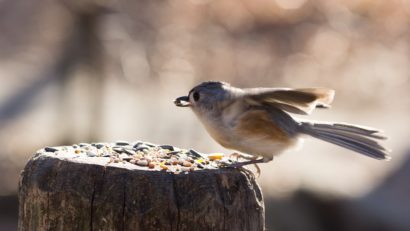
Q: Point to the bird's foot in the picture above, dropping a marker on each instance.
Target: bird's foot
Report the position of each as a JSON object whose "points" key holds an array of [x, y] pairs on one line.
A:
{"points": [[254, 161], [258, 170], [248, 162], [237, 156]]}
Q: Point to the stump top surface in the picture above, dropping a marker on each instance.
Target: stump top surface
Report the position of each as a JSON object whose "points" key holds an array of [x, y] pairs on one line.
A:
{"points": [[138, 155]]}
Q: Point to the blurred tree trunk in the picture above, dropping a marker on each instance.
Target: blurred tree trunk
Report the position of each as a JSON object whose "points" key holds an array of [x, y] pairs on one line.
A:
{"points": [[86, 57]]}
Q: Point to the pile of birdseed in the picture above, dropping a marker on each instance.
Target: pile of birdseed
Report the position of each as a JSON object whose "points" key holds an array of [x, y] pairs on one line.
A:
{"points": [[140, 155]]}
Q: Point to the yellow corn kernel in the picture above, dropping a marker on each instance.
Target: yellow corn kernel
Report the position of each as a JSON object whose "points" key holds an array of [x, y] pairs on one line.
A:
{"points": [[215, 156]]}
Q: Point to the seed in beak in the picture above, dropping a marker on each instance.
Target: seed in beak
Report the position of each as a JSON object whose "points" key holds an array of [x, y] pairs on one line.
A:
{"points": [[182, 101]]}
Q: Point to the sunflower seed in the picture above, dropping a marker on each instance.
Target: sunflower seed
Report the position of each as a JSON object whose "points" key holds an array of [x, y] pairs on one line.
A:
{"points": [[199, 165], [50, 149], [141, 148], [99, 146], [121, 143], [129, 151], [136, 145], [149, 144], [194, 153], [118, 149], [166, 146]]}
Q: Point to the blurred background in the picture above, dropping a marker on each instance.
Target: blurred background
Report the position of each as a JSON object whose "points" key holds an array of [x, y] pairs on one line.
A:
{"points": [[99, 70]]}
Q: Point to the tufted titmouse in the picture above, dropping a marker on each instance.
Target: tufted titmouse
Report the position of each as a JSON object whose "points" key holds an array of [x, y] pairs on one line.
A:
{"points": [[256, 120]]}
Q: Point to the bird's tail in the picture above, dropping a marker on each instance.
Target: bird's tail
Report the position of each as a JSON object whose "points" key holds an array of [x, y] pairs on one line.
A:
{"points": [[357, 138]]}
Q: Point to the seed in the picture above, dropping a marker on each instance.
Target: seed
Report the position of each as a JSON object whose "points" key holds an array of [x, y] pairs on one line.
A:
{"points": [[169, 147], [173, 153], [91, 154], [149, 144], [141, 148], [77, 151], [136, 145], [142, 162], [152, 164], [125, 157], [194, 153], [200, 165], [163, 167], [121, 143], [50, 149], [129, 151], [99, 146], [185, 169], [215, 156], [118, 149], [186, 164]]}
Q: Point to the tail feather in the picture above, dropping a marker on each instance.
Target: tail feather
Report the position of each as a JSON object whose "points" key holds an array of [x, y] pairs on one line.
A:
{"points": [[360, 130], [351, 136], [354, 145], [357, 138]]}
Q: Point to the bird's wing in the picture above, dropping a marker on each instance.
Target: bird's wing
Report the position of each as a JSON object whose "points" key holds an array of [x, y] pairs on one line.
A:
{"points": [[299, 101]]}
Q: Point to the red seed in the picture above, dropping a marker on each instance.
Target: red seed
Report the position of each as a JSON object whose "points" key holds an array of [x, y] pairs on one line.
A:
{"points": [[151, 164]]}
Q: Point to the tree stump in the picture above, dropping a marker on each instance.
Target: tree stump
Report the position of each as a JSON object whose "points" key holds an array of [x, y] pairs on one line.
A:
{"points": [[74, 189]]}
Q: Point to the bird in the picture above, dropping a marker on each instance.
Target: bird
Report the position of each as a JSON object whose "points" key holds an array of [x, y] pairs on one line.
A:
{"points": [[259, 122]]}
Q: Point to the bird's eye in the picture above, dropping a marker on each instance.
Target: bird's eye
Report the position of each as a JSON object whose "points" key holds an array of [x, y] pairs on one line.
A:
{"points": [[195, 96]]}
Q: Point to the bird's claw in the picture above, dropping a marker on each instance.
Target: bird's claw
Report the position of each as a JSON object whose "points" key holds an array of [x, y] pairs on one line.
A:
{"points": [[244, 163]]}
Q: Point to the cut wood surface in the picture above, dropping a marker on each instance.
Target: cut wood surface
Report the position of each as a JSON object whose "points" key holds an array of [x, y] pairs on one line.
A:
{"points": [[60, 190]]}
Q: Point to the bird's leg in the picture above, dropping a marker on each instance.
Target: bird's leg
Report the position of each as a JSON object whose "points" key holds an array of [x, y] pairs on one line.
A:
{"points": [[258, 170], [239, 155], [246, 157], [251, 160]]}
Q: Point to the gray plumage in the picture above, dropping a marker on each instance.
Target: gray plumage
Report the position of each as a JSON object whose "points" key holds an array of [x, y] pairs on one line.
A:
{"points": [[353, 137]]}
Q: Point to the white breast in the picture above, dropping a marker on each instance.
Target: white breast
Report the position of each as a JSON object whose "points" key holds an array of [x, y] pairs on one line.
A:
{"points": [[217, 130]]}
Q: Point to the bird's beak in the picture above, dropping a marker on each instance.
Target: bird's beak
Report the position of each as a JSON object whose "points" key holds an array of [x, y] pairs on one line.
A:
{"points": [[182, 101]]}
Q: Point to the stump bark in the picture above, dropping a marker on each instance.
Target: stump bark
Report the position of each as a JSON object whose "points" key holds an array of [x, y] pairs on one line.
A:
{"points": [[82, 194]]}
